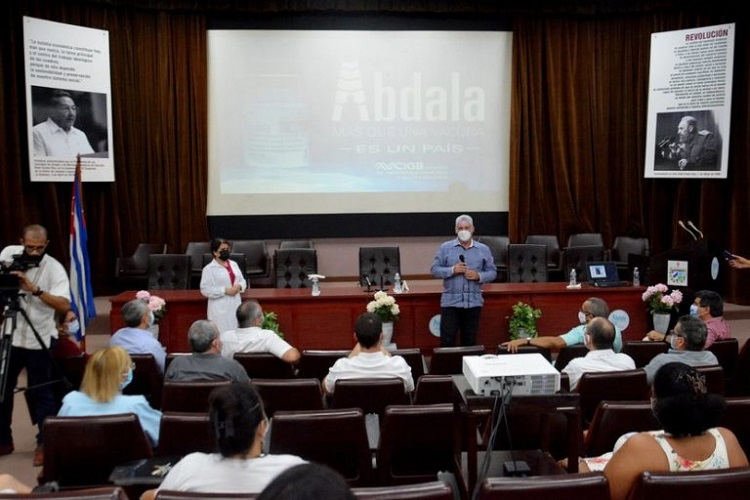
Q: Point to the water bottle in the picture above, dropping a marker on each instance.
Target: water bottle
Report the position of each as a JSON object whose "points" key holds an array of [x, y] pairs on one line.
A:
{"points": [[397, 283], [572, 278], [636, 277]]}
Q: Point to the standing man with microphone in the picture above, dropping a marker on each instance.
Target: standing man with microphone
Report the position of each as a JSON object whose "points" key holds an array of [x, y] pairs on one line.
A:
{"points": [[463, 264]]}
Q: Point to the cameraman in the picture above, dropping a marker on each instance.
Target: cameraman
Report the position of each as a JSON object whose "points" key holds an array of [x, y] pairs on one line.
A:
{"points": [[44, 289]]}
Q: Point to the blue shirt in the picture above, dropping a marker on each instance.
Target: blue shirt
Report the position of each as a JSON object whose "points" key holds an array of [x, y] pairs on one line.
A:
{"points": [[78, 404], [457, 290], [138, 341]]}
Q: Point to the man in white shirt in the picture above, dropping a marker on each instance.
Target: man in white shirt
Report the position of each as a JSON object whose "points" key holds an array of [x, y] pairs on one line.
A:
{"points": [[369, 359], [57, 136], [251, 337], [599, 337]]}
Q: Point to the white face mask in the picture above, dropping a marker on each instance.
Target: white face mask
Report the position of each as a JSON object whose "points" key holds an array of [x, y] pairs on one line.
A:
{"points": [[581, 317], [464, 235], [73, 328]]}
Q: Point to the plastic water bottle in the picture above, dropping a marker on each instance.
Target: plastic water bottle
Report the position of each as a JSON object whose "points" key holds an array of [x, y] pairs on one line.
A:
{"points": [[397, 283], [636, 277], [573, 281]]}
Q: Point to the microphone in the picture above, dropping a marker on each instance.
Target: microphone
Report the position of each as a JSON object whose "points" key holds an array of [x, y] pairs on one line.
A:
{"points": [[665, 141], [692, 226], [462, 259], [683, 226]]}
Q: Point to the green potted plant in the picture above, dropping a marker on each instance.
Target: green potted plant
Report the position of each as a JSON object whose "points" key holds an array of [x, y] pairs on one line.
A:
{"points": [[271, 322], [523, 321]]}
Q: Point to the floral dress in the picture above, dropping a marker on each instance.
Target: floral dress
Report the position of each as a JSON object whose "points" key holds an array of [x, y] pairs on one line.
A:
{"points": [[719, 459]]}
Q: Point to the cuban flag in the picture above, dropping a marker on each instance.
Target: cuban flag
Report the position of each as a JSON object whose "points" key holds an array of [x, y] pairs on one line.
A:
{"points": [[80, 270]]}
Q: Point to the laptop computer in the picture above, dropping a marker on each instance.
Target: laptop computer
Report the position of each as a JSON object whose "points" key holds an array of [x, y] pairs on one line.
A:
{"points": [[603, 274]]}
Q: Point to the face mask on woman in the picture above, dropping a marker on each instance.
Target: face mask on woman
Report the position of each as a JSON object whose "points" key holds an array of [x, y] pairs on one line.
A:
{"points": [[73, 328], [128, 379], [224, 255]]}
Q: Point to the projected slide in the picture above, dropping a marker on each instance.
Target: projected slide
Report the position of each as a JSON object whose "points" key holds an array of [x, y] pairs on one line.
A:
{"points": [[358, 121]]}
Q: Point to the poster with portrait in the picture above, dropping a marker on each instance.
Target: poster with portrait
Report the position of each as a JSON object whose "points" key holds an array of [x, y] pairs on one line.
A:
{"points": [[689, 105], [68, 101]]}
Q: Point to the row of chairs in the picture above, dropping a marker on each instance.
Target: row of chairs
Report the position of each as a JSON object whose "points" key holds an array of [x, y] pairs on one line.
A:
{"points": [[541, 258]]}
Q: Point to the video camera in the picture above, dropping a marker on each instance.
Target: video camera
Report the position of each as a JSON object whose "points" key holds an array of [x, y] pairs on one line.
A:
{"points": [[9, 282]]}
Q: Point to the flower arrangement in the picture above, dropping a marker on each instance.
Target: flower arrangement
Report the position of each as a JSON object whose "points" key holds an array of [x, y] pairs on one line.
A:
{"points": [[658, 299], [523, 321], [384, 306], [156, 304]]}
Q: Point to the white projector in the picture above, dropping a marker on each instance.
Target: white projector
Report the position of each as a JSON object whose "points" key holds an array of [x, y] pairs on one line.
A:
{"points": [[525, 374]]}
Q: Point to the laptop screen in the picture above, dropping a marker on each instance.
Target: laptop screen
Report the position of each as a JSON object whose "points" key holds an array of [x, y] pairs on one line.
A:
{"points": [[602, 272]]}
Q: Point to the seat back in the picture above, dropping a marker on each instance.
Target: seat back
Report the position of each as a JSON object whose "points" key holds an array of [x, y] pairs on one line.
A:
{"points": [[727, 351], [284, 244], [196, 250], [257, 266], [527, 263], [169, 272], [188, 396], [415, 360], [578, 257], [585, 239], [290, 394], [741, 378], [133, 270], [379, 264], [162, 494], [499, 248], [433, 490], [181, 433], [450, 360], [371, 395], [625, 245], [147, 379], [83, 451], [433, 389], [715, 380], [417, 442], [696, 485], [294, 265], [643, 351], [264, 365], [100, 493], [315, 363], [736, 417], [612, 419], [595, 387], [569, 352], [554, 254], [591, 486], [527, 349], [336, 438]]}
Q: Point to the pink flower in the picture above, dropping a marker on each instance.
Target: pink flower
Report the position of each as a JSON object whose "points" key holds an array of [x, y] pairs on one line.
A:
{"points": [[658, 300], [143, 295], [156, 304]]}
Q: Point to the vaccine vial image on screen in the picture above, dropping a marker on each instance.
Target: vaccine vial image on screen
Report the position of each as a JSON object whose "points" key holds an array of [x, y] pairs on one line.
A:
{"points": [[276, 126]]}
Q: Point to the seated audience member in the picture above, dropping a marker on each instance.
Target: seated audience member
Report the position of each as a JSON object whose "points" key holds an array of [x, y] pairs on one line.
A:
{"points": [[686, 346], [135, 338], [308, 481], [205, 362], [239, 424], [369, 359], [709, 307], [689, 439], [68, 328], [108, 372], [599, 337], [251, 337], [593, 307]]}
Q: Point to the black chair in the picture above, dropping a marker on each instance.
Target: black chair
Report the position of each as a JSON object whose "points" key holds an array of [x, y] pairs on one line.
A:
{"points": [[147, 379], [293, 266], [379, 265], [554, 253], [100, 493], [578, 257], [736, 418], [181, 433], [264, 365], [499, 248], [624, 246], [727, 351], [415, 360], [132, 272], [589, 486], [527, 349], [595, 387], [191, 397], [285, 244], [585, 239], [612, 419], [433, 490], [192, 495], [196, 250], [433, 389], [315, 363], [83, 451], [643, 351], [694, 485], [290, 394], [450, 360], [715, 379], [371, 395], [569, 352], [527, 263], [169, 272], [258, 266]]}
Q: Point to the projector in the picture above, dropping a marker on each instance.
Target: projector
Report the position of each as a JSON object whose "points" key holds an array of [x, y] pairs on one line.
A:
{"points": [[525, 374]]}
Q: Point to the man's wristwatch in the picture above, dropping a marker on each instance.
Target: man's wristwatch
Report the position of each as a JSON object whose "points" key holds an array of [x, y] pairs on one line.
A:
{"points": [[38, 292], [528, 341]]}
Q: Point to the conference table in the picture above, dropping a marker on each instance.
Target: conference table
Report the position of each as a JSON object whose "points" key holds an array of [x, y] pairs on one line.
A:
{"points": [[327, 321]]}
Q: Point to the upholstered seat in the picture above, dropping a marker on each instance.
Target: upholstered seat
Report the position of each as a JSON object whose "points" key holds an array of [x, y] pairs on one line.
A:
{"points": [[181, 433], [569, 352], [499, 248], [132, 271], [643, 351], [294, 265], [589, 486], [585, 239], [715, 380], [433, 490], [290, 394], [612, 419], [169, 272], [415, 360], [449, 360], [147, 379], [433, 389], [196, 250], [100, 493], [577, 257], [371, 395], [188, 396], [595, 387], [527, 349], [554, 253], [695, 485], [264, 365], [379, 265], [727, 351], [258, 267], [284, 244], [315, 363], [624, 246], [527, 263]]}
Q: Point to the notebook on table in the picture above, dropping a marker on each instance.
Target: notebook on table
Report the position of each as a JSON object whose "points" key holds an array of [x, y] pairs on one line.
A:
{"points": [[603, 274]]}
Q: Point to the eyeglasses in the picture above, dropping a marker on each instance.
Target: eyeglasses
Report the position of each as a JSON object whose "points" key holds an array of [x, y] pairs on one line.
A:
{"points": [[586, 313], [32, 248]]}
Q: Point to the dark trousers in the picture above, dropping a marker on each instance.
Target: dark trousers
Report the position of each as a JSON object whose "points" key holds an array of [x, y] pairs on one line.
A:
{"points": [[455, 319], [40, 393]]}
